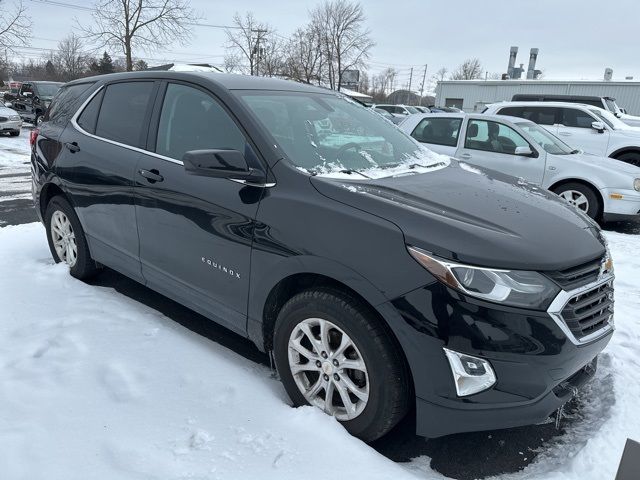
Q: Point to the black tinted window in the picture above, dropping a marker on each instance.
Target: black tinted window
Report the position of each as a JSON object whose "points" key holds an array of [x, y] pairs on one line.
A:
{"points": [[439, 131], [576, 118], [65, 103], [193, 120], [539, 115], [493, 137], [89, 116], [123, 111]]}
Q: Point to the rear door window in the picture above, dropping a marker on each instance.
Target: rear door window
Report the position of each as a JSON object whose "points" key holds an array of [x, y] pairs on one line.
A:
{"points": [[539, 115], [439, 131], [123, 111]]}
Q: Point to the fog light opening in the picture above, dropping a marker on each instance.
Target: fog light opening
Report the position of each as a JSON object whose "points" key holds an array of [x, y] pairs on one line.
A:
{"points": [[470, 374]]}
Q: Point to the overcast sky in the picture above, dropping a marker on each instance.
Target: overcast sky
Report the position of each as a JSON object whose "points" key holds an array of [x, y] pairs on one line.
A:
{"points": [[577, 38]]}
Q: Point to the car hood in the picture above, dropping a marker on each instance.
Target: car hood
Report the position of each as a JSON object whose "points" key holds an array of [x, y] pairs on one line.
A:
{"points": [[607, 163], [4, 111], [476, 216]]}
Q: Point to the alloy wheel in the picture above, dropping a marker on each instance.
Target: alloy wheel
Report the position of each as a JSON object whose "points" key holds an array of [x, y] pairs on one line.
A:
{"points": [[576, 198], [328, 368], [64, 239]]}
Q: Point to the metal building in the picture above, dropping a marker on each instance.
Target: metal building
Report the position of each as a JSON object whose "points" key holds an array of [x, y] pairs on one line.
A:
{"points": [[473, 95]]}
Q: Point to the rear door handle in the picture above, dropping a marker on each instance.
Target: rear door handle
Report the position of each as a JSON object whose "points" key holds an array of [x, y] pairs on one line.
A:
{"points": [[72, 147], [565, 134], [152, 176], [465, 155]]}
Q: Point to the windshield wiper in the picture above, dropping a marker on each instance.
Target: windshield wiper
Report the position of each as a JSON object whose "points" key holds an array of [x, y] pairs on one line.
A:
{"points": [[351, 171]]}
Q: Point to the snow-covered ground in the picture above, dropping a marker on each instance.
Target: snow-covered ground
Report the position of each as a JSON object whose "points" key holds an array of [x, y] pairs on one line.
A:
{"points": [[95, 385]]}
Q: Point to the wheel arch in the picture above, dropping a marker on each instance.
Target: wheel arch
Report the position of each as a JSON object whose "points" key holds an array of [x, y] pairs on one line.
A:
{"points": [[584, 182], [621, 151], [50, 190]]}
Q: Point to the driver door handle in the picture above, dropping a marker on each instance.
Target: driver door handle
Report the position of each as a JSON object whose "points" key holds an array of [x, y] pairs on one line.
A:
{"points": [[465, 155], [72, 147], [152, 176]]}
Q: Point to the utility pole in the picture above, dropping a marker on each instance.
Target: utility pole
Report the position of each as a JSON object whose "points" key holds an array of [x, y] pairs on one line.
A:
{"points": [[424, 79], [257, 51], [410, 80]]}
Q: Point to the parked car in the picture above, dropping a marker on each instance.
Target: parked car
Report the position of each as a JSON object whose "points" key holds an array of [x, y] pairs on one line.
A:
{"points": [[602, 188], [589, 128], [33, 99], [379, 275], [606, 103], [434, 109], [398, 110], [10, 121], [389, 116], [422, 109]]}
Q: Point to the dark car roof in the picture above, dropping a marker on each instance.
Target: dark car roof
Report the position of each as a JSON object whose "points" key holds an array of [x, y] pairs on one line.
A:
{"points": [[226, 80]]}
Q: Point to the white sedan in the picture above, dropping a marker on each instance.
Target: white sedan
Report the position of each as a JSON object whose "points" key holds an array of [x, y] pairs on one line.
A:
{"points": [[601, 187]]}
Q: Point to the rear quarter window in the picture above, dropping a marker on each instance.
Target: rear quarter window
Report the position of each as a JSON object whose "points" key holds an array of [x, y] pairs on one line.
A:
{"points": [[66, 102]]}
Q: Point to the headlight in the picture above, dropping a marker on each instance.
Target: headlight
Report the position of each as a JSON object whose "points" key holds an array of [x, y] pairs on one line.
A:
{"points": [[14, 117], [636, 184], [518, 288]]}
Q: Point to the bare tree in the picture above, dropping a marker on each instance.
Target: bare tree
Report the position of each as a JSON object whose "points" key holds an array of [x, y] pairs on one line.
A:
{"points": [[303, 55], [128, 25], [249, 41], [470, 69], [345, 41], [15, 25], [70, 59]]}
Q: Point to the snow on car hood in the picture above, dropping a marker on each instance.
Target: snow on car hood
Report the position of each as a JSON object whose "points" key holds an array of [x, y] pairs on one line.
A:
{"points": [[475, 216], [7, 112], [424, 162]]}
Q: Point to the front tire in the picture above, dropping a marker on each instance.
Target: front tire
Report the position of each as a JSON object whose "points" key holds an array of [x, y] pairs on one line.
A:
{"points": [[66, 238], [15, 134], [582, 197], [332, 352], [632, 158]]}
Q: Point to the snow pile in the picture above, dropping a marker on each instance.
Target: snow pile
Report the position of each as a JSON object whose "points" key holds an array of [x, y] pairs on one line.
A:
{"points": [[96, 385]]}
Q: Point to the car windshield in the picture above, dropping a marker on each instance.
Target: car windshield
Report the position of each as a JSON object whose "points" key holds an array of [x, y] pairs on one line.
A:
{"points": [[47, 89], [550, 143], [412, 109], [326, 134]]}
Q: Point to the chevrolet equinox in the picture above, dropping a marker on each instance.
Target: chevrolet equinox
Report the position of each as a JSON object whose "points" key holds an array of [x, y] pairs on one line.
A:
{"points": [[381, 276]]}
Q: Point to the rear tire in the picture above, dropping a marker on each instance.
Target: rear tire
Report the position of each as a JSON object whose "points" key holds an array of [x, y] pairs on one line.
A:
{"points": [[379, 368], [66, 238], [14, 134], [577, 194], [632, 158]]}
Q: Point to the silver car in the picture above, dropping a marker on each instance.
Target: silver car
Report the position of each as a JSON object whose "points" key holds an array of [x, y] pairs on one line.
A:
{"points": [[10, 121], [601, 187]]}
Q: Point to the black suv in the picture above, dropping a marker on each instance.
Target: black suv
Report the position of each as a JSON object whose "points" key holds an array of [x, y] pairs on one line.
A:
{"points": [[380, 275], [33, 99]]}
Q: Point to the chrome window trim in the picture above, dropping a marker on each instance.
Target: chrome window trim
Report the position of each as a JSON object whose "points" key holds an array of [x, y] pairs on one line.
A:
{"points": [[74, 122], [561, 300]]}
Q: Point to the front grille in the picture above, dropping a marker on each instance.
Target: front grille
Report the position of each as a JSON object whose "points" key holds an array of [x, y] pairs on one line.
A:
{"points": [[576, 277], [3, 119], [588, 312]]}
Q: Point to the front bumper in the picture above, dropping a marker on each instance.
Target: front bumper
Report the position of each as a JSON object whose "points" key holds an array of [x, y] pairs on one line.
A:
{"points": [[538, 367], [625, 208]]}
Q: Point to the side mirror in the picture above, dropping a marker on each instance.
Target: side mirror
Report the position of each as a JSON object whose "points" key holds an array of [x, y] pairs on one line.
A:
{"points": [[523, 152], [229, 164], [8, 104], [599, 126]]}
